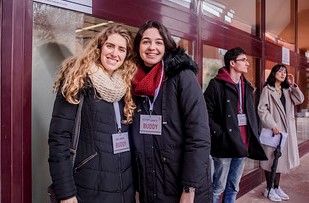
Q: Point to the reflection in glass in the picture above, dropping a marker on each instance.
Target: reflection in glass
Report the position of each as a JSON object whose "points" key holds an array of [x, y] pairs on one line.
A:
{"points": [[184, 3], [54, 39], [237, 13], [303, 28], [303, 84], [185, 44], [212, 62], [280, 26], [302, 116]]}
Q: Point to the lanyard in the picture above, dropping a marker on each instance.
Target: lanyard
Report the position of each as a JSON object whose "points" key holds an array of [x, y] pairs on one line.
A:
{"points": [[117, 114], [240, 96], [151, 104]]}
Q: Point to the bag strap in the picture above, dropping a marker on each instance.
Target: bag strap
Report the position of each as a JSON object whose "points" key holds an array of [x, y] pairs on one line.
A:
{"points": [[76, 129]]}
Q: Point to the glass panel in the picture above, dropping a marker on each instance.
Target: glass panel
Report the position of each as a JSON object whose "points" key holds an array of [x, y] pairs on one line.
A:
{"points": [[213, 60], [303, 28], [57, 34], [185, 44], [280, 23], [303, 83], [237, 13], [302, 124], [184, 3], [303, 77], [302, 119]]}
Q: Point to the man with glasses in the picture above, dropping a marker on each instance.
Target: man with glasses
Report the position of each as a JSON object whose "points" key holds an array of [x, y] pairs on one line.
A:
{"points": [[233, 125]]}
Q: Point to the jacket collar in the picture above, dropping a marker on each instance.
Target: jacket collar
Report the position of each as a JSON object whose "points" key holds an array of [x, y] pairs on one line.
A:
{"points": [[278, 103], [177, 61]]}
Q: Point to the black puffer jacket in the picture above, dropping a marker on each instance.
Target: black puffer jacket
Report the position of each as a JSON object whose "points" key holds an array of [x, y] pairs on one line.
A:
{"points": [[180, 155], [105, 177]]}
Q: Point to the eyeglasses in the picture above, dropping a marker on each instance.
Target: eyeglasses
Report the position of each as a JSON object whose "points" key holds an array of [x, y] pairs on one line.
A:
{"points": [[243, 60]]}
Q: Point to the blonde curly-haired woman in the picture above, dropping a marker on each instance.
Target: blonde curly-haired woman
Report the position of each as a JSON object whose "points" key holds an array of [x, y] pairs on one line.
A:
{"points": [[102, 170]]}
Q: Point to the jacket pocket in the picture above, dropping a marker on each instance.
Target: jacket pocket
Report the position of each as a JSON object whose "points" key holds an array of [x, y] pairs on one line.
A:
{"points": [[84, 162], [171, 173]]}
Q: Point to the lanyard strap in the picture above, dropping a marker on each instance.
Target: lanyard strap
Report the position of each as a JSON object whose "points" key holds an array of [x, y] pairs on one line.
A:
{"points": [[240, 96], [117, 114], [151, 104]]}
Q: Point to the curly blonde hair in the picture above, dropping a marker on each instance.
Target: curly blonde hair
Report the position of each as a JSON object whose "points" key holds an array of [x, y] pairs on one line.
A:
{"points": [[74, 70]]}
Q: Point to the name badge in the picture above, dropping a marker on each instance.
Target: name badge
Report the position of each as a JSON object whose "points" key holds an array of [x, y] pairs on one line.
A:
{"points": [[151, 124], [242, 119], [121, 142]]}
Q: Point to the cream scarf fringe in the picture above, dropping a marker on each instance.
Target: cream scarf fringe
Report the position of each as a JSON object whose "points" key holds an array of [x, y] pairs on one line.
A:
{"points": [[111, 89]]}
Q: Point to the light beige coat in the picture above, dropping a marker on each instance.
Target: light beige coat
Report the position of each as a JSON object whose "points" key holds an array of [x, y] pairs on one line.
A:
{"points": [[272, 115]]}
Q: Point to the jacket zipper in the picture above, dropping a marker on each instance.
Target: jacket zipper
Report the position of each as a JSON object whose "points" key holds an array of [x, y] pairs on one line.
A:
{"points": [[82, 163]]}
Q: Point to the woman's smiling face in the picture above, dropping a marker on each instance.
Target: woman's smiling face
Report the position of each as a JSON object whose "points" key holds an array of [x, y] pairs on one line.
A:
{"points": [[113, 53], [151, 47]]}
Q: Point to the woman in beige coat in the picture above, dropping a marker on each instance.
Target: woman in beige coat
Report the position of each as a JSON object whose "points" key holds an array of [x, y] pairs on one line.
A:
{"points": [[276, 111]]}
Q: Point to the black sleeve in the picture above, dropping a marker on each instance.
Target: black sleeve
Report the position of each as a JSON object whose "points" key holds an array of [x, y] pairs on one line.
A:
{"points": [[60, 162], [212, 102], [196, 130]]}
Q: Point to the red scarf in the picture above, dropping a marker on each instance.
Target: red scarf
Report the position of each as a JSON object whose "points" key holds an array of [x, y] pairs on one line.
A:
{"points": [[144, 84]]}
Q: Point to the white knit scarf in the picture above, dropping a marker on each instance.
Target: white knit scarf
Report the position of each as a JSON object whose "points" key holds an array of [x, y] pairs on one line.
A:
{"points": [[111, 89]]}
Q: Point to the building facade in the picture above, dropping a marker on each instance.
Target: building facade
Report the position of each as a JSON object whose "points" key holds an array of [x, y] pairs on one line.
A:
{"points": [[37, 35]]}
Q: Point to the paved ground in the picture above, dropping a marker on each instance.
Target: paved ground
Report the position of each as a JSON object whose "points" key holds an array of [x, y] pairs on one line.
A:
{"points": [[295, 184]]}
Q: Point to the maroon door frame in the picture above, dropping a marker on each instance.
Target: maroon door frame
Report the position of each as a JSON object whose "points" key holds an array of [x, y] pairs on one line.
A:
{"points": [[15, 138]]}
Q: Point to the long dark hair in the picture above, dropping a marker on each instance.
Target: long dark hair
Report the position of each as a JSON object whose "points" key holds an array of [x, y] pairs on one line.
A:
{"points": [[271, 80], [169, 42]]}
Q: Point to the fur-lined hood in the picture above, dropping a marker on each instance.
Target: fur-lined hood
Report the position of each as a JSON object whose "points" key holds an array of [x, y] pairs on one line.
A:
{"points": [[177, 61]]}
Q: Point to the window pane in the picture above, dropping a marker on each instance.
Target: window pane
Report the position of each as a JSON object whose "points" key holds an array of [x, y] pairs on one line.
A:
{"points": [[280, 23], [184, 3], [303, 28], [302, 118], [237, 13], [185, 44], [213, 60]]}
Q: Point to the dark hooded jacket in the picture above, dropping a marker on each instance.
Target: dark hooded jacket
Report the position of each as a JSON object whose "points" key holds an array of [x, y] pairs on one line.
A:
{"points": [[99, 175], [221, 98], [180, 155]]}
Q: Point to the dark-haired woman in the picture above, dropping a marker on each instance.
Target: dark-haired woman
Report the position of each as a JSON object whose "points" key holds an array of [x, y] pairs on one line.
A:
{"points": [[170, 127], [276, 111]]}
